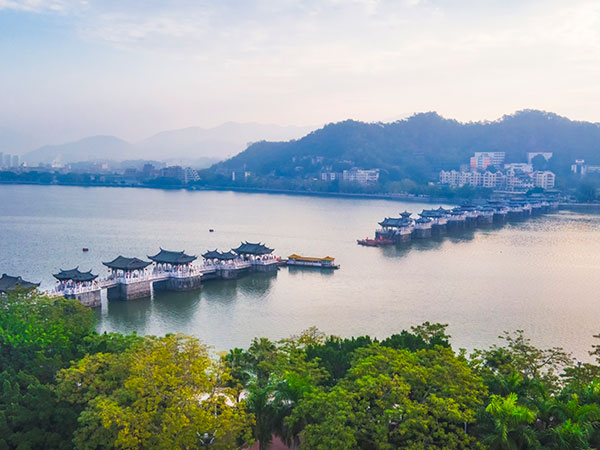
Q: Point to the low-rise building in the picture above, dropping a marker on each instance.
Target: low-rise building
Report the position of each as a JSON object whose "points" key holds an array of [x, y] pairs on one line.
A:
{"points": [[544, 179], [329, 176], [361, 176]]}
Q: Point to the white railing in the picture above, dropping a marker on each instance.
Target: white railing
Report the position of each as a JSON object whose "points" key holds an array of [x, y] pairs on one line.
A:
{"points": [[75, 289], [264, 262]]}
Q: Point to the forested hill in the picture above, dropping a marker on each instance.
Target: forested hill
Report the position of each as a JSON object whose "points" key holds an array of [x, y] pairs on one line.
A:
{"points": [[418, 147]]}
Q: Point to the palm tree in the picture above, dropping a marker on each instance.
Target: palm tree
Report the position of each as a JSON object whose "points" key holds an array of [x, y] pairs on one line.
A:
{"points": [[578, 424], [510, 424]]}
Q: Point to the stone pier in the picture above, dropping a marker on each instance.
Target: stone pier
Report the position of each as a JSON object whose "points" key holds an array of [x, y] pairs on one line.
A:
{"points": [[268, 267], [92, 299], [184, 283], [130, 291]]}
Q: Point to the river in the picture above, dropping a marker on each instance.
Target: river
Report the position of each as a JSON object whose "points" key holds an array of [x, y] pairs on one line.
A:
{"points": [[540, 275]]}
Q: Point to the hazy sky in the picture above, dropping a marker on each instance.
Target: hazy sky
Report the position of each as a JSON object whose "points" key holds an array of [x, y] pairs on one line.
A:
{"points": [[72, 68]]}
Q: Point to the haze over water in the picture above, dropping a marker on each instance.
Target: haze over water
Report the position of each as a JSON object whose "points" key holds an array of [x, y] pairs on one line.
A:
{"points": [[540, 275]]}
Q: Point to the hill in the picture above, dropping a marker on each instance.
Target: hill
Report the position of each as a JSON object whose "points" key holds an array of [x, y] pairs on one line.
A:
{"points": [[88, 149], [220, 142], [197, 147], [419, 146]]}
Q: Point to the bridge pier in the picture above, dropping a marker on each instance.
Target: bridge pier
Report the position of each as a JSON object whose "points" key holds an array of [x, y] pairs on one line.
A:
{"points": [[268, 267], [130, 291], [184, 283], [92, 299], [230, 273]]}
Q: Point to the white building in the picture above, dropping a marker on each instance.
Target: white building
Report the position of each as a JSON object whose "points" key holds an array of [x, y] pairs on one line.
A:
{"points": [[190, 174], [492, 180], [473, 178], [544, 179], [329, 176], [361, 176], [481, 160]]}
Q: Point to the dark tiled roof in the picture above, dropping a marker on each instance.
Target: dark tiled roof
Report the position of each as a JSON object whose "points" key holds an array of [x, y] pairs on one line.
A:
{"points": [[212, 254], [215, 254], [248, 248], [8, 283], [175, 258], [124, 263], [392, 222], [432, 213], [75, 275], [227, 256]]}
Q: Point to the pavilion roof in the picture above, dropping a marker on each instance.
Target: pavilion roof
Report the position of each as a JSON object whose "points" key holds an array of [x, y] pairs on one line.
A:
{"points": [[124, 263], [248, 248], [211, 254], [75, 275], [393, 222], [174, 258], [8, 283], [223, 256], [406, 214], [432, 213]]}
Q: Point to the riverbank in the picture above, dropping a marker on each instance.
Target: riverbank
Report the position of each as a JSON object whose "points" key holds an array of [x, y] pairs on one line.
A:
{"points": [[400, 197]]}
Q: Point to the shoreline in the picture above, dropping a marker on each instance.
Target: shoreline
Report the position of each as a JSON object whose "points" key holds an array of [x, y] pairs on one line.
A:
{"points": [[350, 195], [381, 196]]}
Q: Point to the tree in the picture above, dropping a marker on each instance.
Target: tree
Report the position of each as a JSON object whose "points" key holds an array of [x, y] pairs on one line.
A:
{"points": [[539, 163], [518, 360], [38, 336], [276, 376], [159, 394], [509, 424], [395, 399]]}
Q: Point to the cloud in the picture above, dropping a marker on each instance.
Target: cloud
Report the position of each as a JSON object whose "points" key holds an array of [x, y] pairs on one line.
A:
{"points": [[296, 59], [38, 6]]}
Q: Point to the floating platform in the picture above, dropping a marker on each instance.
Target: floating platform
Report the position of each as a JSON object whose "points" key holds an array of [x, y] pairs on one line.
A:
{"points": [[307, 261]]}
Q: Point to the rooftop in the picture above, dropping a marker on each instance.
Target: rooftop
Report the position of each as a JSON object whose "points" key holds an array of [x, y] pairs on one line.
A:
{"points": [[248, 248], [128, 264], [392, 222], [173, 258], [75, 275], [215, 254], [8, 283]]}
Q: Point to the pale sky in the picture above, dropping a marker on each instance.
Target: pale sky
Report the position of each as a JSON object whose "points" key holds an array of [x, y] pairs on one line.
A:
{"points": [[73, 68]]}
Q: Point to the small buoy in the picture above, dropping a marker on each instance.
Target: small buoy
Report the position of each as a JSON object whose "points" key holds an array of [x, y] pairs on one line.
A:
{"points": [[85, 249], [211, 230]]}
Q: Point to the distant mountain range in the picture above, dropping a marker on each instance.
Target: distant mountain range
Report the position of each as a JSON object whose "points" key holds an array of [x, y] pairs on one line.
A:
{"points": [[419, 146], [192, 146]]}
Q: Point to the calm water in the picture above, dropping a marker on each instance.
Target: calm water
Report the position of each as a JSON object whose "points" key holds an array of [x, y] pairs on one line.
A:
{"points": [[541, 275]]}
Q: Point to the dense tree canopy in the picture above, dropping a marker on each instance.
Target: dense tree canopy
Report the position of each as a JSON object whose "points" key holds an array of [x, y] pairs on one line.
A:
{"points": [[65, 386]]}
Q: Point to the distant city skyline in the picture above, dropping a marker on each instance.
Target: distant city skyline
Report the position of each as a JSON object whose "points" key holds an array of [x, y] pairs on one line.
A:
{"points": [[75, 68]]}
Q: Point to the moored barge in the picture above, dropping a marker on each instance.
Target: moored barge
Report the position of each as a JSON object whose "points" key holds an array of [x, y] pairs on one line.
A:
{"points": [[307, 261]]}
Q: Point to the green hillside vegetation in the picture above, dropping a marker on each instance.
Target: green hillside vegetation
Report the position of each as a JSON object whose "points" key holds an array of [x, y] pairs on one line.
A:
{"points": [[64, 386], [410, 152]]}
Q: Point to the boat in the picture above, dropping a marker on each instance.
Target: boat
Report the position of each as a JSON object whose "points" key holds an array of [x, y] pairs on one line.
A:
{"points": [[381, 242], [308, 261], [210, 230], [85, 249]]}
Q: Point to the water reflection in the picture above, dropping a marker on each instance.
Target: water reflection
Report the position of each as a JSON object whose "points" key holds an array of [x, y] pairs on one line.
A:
{"points": [[309, 271], [130, 315], [540, 274]]}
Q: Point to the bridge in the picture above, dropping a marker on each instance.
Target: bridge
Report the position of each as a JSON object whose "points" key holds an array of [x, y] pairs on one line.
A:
{"points": [[131, 278]]}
